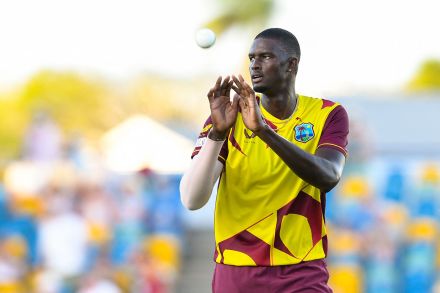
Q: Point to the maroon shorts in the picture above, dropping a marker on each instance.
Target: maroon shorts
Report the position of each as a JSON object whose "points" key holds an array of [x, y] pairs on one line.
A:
{"points": [[310, 276]]}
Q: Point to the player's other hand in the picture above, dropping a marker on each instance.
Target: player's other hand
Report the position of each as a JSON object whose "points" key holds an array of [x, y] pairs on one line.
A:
{"points": [[223, 111], [247, 102]]}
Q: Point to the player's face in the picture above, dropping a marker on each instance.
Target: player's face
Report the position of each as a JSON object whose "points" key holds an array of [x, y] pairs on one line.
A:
{"points": [[268, 67]]}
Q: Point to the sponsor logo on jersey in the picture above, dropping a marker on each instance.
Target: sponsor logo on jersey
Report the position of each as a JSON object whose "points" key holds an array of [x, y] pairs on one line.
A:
{"points": [[304, 132], [248, 136]]}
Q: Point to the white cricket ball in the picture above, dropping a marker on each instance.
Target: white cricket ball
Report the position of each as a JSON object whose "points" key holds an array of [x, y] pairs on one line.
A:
{"points": [[205, 38]]}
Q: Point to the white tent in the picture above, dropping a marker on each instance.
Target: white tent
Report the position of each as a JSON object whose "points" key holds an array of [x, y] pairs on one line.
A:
{"points": [[140, 142]]}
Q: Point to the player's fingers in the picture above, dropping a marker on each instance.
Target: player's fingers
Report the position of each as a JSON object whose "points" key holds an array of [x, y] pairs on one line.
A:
{"points": [[237, 82], [218, 81], [235, 89], [210, 95], [247, 88], [217, 86], [250, 92], [228, 89], [235, 100], [224, 86], [243, 83]]}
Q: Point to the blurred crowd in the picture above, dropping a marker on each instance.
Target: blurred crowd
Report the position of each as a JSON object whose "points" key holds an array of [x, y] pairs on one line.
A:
{"points": [[68, 224], [383, 222]]}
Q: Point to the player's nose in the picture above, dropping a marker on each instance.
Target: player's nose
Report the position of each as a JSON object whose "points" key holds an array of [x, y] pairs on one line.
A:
{"points": [[255, 65]]}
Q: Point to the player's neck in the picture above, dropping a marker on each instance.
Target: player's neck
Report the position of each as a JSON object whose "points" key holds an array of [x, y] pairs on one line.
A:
{"points": [[280, 105]]}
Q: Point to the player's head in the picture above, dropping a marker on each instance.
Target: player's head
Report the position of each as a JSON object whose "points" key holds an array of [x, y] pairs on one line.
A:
{"points": [[274, 58], [285, 39]]}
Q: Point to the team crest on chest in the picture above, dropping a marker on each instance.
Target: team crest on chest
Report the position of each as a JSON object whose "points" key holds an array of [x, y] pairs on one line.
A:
{"points": [[304, 132]]}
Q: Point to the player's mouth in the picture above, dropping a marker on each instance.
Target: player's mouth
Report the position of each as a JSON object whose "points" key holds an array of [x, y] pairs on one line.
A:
{"points": [[256, 78]]}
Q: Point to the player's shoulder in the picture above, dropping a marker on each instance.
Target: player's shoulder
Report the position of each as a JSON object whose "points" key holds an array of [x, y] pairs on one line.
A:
{"points": [[320, 103], [206, 127]]}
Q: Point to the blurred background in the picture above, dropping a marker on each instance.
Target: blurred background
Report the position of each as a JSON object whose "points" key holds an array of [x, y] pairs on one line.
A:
{"points": [[101, 103]]}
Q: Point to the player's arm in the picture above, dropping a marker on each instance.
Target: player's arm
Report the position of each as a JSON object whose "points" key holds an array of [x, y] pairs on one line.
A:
{"points": [[198, 181], [322, 170]]}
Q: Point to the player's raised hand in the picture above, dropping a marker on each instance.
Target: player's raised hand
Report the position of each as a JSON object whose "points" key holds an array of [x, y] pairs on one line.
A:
{"points": [[223, 111], [247, 102]]}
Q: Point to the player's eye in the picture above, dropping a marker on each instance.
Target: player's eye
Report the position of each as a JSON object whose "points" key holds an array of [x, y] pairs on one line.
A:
{"points": [[251, 58], [266, 57]]}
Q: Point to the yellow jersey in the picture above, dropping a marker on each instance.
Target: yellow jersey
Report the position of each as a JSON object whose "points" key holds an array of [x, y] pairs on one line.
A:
{"points": [[265, 215]]}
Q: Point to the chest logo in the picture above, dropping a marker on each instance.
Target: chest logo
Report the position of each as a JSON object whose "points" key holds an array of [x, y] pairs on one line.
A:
{"points": [[248, 136], [304, 132]]}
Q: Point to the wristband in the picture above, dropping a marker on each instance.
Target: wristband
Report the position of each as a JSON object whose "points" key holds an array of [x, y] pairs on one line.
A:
{"points": [[214, 138]]}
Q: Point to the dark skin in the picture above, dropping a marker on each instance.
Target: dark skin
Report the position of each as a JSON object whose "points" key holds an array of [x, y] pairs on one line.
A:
{"points": [[273, 73]]}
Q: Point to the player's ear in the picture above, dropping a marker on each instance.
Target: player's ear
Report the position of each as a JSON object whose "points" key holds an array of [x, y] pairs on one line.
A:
{"points": [[293, 65]]}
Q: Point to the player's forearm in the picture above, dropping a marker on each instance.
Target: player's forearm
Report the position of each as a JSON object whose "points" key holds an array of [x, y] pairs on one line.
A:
{"points": [[198, 181], [313, 169]]}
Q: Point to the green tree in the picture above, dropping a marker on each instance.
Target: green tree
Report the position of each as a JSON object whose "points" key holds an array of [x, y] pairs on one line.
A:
{"points": [[242, 13], [91, 106], [427, 77], [76, 102]]}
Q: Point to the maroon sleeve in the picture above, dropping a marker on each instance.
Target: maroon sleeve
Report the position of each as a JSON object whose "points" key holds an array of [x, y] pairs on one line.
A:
{"points": [[335, 132], [202, 139]]}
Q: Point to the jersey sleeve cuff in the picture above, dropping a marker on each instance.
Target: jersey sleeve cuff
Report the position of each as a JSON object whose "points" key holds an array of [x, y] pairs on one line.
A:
{"points": [[335, 147]]}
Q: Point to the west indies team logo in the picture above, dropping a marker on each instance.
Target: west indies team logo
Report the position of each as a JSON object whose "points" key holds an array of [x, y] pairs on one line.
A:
{"points": [[304, 132]]}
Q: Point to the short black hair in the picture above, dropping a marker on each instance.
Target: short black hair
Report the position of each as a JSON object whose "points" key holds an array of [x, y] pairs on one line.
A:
{"points": [[286, 38]]}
